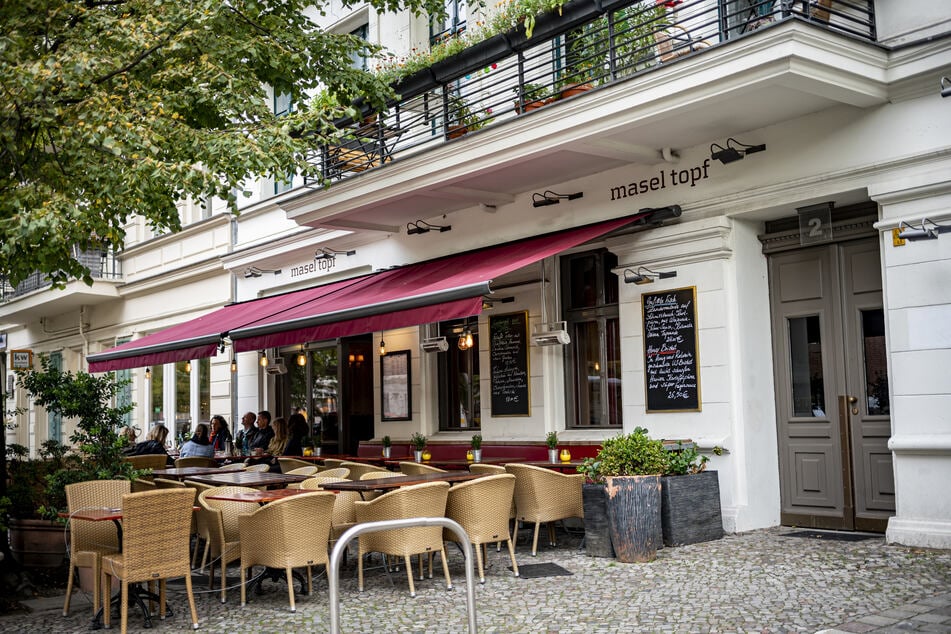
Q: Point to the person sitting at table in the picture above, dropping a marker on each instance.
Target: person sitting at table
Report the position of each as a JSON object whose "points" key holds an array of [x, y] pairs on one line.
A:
{"points": [[245, 436], [264, 433], [199, 445], [275, 448], [297, 431], [130, 435], [154, 444], [220, 434]]}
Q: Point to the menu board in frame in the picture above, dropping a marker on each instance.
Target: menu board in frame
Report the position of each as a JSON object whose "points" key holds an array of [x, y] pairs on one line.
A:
{"points": [[508, 364], [671, 364]]}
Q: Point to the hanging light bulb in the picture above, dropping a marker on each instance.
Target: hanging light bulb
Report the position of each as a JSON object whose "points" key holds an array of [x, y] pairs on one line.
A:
{"points": [[301, 358], [469, 341], [234, 365], [188, 366], [465, 339], [263, 360], [382, 347], [148, 374]]}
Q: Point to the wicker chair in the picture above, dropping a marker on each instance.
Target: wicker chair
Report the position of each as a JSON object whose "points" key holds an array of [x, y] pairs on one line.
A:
{"points": [[357, 469], [375, 475], [140, 486], [309, 470], [90, 540], [344, 513], [195, 461], [482, 508], [284, 546], [287, 464], [332, 463], [155, 529], [201, 525], [493, 469], [543, 495], [260, 468], [165, 483], [148, 461], [421, 500], [234, 466], [416, 468], [336, 472], [221, 519]]}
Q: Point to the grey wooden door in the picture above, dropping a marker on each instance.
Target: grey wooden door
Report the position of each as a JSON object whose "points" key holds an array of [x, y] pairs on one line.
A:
{"points": [[832, 386]]}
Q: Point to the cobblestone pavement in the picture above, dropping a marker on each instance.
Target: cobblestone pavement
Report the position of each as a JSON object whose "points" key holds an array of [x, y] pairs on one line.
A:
{"points": [[761, 581]]}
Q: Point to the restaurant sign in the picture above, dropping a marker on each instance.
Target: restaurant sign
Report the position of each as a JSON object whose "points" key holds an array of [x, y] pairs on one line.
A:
{"points": [[665, 178], [320, 264]]}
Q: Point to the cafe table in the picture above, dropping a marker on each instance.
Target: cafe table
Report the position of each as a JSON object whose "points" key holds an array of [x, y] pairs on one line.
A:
{"points": [[184, 473], [248, 479], [395, 482]]}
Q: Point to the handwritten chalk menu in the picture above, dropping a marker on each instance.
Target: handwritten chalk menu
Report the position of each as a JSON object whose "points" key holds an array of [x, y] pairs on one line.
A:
{"points": [[670, 350], [508, 363]]}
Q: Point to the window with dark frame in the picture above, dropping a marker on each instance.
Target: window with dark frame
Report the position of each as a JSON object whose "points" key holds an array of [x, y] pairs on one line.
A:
{"points": [[460, 403], [453, 23], [593, 358], [283, 105]]}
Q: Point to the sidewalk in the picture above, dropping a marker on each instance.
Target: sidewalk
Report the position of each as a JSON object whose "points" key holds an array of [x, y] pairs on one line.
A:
{"points": [[762, 581]]}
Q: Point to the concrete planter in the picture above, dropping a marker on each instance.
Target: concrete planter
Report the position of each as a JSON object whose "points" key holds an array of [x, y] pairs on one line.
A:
{"points": [[597, 527], [690, 508], [38, 543]]}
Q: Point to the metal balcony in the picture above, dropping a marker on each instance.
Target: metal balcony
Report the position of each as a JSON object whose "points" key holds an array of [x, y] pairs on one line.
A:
{"points": [[102, 266], [590, 45]]}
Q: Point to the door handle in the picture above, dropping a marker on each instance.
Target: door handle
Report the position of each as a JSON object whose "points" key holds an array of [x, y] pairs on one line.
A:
{"points": [[852, 401]]}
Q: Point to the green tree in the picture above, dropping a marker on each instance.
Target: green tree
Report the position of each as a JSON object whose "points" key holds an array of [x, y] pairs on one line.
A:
{"points": [[115, 108]]}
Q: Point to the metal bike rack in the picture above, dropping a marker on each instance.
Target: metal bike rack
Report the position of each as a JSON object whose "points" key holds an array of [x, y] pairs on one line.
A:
{"points": [[333, 570]]}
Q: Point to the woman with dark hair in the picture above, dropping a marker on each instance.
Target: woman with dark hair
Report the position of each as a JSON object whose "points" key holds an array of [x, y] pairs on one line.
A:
{"points": [[199, 445], [297, 430], [220, 434]]}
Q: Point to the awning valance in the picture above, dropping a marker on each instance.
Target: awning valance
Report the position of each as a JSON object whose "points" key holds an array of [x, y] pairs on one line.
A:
{"points": [[435, 290]]}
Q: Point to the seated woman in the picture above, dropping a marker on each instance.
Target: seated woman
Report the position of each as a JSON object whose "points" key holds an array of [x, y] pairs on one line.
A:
{"points": [[154, 444], [220, 434], [199, 445], [297, 431], [275, 447], [130, 434]]}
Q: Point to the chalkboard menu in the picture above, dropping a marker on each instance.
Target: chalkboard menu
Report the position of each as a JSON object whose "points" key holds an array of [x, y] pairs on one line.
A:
{"points": [[670, 350], [508, 363]]}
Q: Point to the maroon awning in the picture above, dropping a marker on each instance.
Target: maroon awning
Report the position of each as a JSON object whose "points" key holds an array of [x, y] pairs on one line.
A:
{"points": [[436, 290]]}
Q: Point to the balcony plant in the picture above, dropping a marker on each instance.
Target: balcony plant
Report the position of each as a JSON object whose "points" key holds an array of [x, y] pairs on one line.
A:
{"points": [[631, 466], [690, 498], [533, 96], [462, 119]]}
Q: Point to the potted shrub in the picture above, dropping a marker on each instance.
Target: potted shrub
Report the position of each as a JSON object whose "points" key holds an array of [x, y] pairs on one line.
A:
{"points": [[477, 448], [387, 446], [552, 441], [690, 498], [533, 96], [418, 441], [631, 466], [597, 531]]}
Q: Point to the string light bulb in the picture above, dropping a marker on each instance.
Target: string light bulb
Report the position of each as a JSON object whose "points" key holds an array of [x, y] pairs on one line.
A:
{"points": [[234, 365], [263, 360], [148, 374], [382, 347], [301, 359], [465, 339], [188, 366]]}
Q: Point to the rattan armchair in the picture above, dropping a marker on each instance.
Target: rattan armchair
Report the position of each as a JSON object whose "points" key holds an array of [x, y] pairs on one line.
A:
{"points": [[165, 483], [220, 517], [482, 508], [234, 466], [287, 464], [289, 533], [195, 461], [260, 468], [332, 463], [336, 472], [148, 461], [357, 469], [494, 469], [89, 541], [344, 513], [201, 525], [416, 468], [543, 495], [155, 528], [421, 500], [309, 470]]}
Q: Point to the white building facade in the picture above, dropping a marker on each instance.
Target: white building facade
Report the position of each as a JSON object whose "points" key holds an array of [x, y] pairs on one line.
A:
{"points": [[817, 342]]}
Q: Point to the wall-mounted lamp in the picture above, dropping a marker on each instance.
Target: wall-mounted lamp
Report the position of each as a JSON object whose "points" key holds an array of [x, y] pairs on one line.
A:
{"points": [[927, 230], [644, 275], [421, 226], [734, 150], [148, 374], [489, 303], [253, 271], [262, 361], [945, 85], [549, 197], [325, 253]]}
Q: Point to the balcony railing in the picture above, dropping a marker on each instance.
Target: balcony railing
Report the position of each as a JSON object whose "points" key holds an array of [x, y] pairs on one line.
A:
{"points": [[102, 265], [592, 43]]}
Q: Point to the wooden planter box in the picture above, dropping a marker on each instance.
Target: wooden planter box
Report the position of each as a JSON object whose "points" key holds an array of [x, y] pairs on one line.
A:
{"points": [[634, 510], [38, 543], [690, 508], [597, 528]]}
